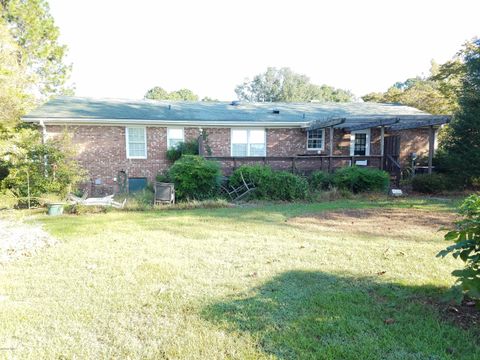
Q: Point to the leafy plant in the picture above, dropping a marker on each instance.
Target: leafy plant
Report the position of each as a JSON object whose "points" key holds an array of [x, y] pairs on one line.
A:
{"points": [[429, 183], [321, 180], [195, 178], [37, 168], [466, 236], [182, 148], [359, 179], [269, 184]]}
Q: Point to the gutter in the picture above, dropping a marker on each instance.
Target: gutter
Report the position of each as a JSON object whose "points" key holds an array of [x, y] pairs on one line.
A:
{"points": [[112, 122]]}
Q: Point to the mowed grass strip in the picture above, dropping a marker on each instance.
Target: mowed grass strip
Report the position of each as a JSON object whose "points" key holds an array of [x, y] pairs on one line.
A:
{"points": [[338, 280]]}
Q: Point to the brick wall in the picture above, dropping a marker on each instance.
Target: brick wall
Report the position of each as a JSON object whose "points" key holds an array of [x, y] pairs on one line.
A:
{"points": [[102, 149]]}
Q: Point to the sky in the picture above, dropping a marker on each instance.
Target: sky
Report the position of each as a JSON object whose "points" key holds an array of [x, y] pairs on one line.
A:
{"points": [[120, 48]]}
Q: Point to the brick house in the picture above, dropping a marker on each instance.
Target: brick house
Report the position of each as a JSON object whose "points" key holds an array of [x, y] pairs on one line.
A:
{"points": [[129, 139]]}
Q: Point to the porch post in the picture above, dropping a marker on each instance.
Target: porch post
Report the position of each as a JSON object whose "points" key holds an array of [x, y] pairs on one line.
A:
{"points": [[382, 145], [431, 145], [330, 149]]}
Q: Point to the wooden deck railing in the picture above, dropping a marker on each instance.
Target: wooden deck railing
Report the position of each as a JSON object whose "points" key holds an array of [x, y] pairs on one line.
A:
{"points": [[300, 163]]}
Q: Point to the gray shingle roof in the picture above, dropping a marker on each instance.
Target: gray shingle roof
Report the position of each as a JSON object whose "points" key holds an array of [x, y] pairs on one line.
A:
{"points": [[69, 109]]}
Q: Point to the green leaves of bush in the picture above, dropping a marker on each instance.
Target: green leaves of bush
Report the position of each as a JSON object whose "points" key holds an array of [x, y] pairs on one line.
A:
{"points": [[271, 185], [182, 148], [195, 178], [429, 183], [359, 179], [466, 237]]}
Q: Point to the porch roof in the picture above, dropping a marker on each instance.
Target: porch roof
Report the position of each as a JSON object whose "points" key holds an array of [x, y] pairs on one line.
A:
{"points": [[184, 113]]}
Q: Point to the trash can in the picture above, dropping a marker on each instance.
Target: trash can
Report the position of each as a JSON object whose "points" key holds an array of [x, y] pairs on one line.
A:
{"points": [[55, 209]]}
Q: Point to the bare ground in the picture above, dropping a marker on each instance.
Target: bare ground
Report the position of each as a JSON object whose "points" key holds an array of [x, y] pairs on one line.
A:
{"points": [[18, 239]]}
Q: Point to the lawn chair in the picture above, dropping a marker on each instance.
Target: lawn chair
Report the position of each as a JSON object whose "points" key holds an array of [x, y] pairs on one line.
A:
{"points": [[164, 193], [239, 192]]}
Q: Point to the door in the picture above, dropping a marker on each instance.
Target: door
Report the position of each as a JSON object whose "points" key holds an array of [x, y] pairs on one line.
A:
{"points": [[392, 146]]}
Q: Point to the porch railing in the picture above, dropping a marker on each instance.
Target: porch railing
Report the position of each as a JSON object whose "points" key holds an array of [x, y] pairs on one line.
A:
{"points": [[301, 163]]}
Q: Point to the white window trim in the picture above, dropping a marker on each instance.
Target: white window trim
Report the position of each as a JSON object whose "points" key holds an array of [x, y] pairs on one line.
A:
{"points": [[127, 142], [352, 142], [323, 141], [174, 128], [248, 141]]}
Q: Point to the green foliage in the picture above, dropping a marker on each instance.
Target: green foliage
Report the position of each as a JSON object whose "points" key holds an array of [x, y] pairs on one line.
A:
{"points": [[182, 148], [460, 147], [466, 236], [284, 85], [321, 180], [140, 200], [8, 200], [84, 209], [434, 94], [42, 167], [195, 178], [34, 31], [429, 183], [269, 184], [359, 179], [158, 93]]}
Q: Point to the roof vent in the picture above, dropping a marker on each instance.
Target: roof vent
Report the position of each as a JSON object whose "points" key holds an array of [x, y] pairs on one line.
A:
{"points": [[276, 111], [235, 103]]}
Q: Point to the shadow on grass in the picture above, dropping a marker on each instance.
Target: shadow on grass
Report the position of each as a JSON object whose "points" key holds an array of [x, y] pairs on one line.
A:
{"points": [[314, 315]]}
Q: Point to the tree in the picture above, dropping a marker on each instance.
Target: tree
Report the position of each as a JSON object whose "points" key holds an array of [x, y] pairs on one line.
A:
{"points": [[284, 85], [14, 80], [36, 35], [158, 93], [435, 94], [460, 147]]}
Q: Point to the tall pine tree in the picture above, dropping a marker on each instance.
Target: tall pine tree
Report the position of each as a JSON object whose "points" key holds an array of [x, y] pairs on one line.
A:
{"points": [[461, 146]]}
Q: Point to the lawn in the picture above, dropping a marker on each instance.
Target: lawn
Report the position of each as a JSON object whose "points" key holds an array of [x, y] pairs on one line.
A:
{"points": [[353, 279]]}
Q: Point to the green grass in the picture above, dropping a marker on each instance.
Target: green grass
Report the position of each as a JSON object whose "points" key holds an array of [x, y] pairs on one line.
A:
{"points": [[272, 282]]}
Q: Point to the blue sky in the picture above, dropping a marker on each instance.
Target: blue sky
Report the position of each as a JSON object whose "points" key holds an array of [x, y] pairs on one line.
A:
{"points": [[122, 48]]}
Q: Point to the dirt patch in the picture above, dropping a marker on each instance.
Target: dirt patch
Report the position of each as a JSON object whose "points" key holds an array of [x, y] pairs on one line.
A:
{"points": [[377, 222], [465, 315], [18, 239]]}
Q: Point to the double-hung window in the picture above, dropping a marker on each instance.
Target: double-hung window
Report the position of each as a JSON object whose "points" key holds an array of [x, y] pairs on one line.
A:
{"points": [[315, 139], [174, 137], [248, 142], [136, 140]]}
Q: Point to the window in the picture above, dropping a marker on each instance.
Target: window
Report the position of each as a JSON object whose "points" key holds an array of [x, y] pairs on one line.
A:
{"points": [[315, 139], [360, 143], [174, 136], [248, 142], [136, 142]]}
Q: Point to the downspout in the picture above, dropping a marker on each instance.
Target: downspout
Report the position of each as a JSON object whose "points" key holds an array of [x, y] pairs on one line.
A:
{"points": [[44, 140]]}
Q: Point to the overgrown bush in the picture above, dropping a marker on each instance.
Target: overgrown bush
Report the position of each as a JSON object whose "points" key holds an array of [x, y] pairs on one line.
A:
{"points": [[139, 200], [182, 148], [429, 183], [466, 236], [36, 168], [321, 180], [360, 179], [195, 178], [271, 185]]}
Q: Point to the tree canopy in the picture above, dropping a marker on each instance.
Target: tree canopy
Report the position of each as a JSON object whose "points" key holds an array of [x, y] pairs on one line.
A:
{"points": [[158, 93], [38, 49], [435, 94], [460, 147], [284, 85]]}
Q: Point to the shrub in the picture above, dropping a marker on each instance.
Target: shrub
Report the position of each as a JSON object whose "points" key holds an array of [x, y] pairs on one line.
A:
{"points": [[321, 180], [83, 209], [429, 183], [466, 236], [271, 185], [140, 200], [195, 178], [8, 200], [359, 179], [182, 148]]}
